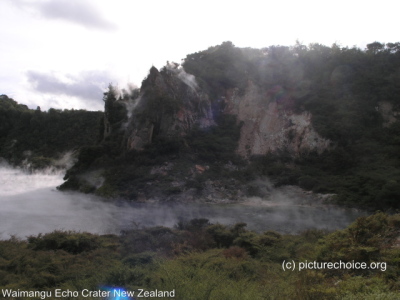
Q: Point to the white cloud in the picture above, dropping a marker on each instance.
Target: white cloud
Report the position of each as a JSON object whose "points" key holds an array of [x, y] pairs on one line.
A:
{"points": [[81, 12]]}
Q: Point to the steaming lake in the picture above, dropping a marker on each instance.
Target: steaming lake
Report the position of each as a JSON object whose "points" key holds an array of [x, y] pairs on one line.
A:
{"points": [[30, 204]]}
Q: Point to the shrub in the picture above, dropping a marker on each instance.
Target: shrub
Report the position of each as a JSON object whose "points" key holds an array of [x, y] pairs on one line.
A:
{"points": [[71, 242], [235, 252]]}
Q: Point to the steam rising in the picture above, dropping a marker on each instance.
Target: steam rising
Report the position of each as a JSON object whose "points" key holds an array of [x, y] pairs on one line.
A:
{"points": [[188, 79], [30, 204]]}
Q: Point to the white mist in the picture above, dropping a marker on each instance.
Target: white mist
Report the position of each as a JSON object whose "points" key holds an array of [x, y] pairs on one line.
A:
{"points": [[30, 204]]}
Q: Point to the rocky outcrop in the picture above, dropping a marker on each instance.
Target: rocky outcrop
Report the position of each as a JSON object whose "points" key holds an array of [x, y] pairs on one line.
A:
{"points": [[270, 124], [170, 104]]}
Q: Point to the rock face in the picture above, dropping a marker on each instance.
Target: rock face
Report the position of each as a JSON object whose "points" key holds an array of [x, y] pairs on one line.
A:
{"points": [[171, 103], [270, 125], [389, 115]]}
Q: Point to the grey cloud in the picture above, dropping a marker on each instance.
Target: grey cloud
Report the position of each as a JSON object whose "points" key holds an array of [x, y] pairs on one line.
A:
{"points": [[88, 85], [81, 12]]}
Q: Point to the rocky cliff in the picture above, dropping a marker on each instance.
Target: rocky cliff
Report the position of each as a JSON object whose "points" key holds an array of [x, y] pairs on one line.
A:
{"points": [[171, 103], [270, 123]]}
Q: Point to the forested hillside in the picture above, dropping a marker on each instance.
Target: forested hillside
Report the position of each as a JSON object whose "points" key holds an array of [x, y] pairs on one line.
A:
{"points": [[330, 117], [39, 137]]}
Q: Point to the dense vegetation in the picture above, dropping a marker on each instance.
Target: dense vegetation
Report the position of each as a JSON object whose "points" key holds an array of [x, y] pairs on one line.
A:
{"points": [[353, 96], [39, 137], [210, 261]]}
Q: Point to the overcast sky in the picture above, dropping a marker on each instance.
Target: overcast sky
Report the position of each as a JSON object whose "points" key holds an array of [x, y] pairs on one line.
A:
{"points": [[64, 53]]}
